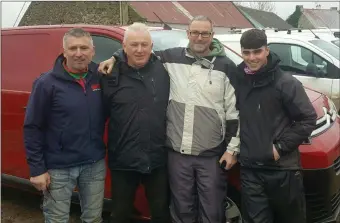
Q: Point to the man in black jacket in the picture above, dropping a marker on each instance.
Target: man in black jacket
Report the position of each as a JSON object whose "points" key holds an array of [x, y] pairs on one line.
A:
{"points": [[136, 95], [276, 116]]}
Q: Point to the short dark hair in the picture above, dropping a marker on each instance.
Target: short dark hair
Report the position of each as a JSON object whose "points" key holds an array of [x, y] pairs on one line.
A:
{"points": [[253, 39], [76, 32]]}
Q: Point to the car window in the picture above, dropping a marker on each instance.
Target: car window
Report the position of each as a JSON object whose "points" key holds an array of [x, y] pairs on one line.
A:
{"points": [[327, 47], [300, 60], [166, 39], [104, 47]]}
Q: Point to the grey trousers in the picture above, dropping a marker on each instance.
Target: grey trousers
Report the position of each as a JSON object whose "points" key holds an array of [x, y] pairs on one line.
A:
{"points": [[198, 189], [90, 179]]}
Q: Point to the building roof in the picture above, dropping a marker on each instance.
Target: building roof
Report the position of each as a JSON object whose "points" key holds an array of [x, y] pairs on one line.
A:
{"points": [[263, 18], [223, 14], [323, 17]]}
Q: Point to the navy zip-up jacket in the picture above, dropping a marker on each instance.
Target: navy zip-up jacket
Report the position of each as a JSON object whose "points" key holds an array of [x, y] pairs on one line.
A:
{"points": [[64, 122]]}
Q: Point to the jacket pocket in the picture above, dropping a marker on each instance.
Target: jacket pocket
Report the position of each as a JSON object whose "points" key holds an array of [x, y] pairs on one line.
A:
{"points": [[273, 147], [223, 124], [269, 154], [66, 140], [264, 155], [214, 88]]}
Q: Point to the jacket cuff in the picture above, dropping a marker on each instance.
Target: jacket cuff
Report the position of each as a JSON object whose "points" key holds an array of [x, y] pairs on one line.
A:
{"points": [[37, 171], [279, 149], [118, 54], [232, 152]]}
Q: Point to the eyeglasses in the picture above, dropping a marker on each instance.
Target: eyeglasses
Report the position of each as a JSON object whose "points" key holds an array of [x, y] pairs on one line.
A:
{"points": [[197, 33]]}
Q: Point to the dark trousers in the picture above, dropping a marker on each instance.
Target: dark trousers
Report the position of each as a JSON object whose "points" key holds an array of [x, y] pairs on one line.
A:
{"points": [[272, 196], [123, 188], [198, 188]]}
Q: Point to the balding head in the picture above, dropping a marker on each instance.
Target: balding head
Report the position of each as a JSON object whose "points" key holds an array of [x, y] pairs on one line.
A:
{"points": [[137, 44]]}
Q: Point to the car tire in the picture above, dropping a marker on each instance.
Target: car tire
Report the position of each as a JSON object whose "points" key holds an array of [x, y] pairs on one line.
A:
{"points": [[232, 212]]}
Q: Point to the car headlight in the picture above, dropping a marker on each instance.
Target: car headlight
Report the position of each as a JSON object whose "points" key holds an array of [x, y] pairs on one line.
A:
{"points": [[326, 120], [332, 109]]}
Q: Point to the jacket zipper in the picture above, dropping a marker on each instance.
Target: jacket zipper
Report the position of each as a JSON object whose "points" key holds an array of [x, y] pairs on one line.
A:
{"points": [[88, 106], [139, 75], [153, 89], [84, 85]]}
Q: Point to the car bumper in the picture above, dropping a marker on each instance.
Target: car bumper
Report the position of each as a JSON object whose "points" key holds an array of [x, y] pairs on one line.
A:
{"points": [[322, 189]]}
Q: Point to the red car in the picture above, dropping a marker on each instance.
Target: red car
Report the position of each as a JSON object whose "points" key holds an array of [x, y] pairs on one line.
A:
{"points": [[29, 51]]}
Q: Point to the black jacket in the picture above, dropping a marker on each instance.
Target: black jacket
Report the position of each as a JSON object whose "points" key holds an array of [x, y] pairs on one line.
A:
{"points": [[274, 110], [137, 101]]}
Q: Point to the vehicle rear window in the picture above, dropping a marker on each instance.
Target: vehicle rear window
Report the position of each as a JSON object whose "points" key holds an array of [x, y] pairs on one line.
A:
{"points": [[327, 47]]}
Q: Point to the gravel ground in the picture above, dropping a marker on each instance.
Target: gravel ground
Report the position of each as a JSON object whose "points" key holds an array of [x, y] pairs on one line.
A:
{"points": [[23, 207]]}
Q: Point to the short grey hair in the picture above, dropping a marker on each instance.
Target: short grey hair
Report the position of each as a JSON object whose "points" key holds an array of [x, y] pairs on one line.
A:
{"points": [[136, 27], [202, 18], [76, 32]]}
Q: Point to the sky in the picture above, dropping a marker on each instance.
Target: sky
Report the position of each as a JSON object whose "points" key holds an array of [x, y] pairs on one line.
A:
{"points": [[10, 10]]}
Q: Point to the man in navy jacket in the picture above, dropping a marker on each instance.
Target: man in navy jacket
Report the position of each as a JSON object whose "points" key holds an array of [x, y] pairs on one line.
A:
{"points": [[63, 132]]}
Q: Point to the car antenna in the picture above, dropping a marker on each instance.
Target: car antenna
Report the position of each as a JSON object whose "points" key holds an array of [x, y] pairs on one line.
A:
{"points": [[165, 26], [317, 37]]}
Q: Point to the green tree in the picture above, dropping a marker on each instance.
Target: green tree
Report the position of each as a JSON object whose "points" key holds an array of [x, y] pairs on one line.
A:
{"points": [[293, 19]]}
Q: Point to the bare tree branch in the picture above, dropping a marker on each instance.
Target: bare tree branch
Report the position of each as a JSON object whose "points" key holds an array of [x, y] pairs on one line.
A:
{"points": [[263, 6]]}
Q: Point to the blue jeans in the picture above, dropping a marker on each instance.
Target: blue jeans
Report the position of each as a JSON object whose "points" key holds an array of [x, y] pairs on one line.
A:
{"points": [[90, 180]]}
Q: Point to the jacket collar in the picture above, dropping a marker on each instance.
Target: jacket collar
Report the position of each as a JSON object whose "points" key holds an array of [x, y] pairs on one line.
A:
{"points": [[122, 58], [266, 74], [60, 72]]}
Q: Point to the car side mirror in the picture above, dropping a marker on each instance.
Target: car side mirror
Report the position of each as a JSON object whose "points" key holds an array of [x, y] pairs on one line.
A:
{"points": [[321, 73], [313, 70]]}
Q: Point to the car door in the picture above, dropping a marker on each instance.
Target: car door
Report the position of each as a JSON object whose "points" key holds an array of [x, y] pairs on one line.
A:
{"points": [[24, 57], [313, 70]]}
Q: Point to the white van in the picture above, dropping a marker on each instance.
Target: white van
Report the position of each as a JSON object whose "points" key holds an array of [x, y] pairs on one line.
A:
{"points": [[316, 62], [324, 34]]}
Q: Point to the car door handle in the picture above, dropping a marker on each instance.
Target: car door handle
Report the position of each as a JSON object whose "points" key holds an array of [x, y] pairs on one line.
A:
{"points": [[24, 107]]}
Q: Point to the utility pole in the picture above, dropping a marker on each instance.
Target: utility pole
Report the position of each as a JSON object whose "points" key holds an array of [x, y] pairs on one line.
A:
{"points": [[120, 13], [124, 12]]}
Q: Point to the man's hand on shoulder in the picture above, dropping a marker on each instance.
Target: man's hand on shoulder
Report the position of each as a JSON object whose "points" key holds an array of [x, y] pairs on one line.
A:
{"points": [[106, 66], [41, 182]]}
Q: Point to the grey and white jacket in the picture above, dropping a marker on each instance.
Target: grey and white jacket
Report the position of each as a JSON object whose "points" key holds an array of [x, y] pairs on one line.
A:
{"points": [[202, 115]]}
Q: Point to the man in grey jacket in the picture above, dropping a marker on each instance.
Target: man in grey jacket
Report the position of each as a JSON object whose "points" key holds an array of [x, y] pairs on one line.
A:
{"points": [[202, 124]]}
